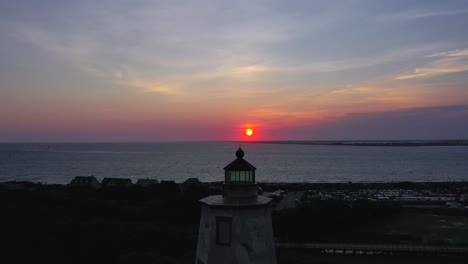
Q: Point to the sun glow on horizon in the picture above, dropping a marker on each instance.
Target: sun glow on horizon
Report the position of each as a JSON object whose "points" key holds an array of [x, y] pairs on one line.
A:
{"points": [[249, 132]]}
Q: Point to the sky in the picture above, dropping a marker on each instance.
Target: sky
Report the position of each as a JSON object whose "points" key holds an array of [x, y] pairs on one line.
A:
{"points": [[144, 70]]}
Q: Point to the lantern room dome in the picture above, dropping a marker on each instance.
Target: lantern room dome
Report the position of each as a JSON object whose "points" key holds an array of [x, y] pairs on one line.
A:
{"points": [[239, 164]]}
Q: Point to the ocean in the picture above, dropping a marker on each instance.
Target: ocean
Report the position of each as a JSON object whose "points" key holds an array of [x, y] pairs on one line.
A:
{"points": [[178, 161]]}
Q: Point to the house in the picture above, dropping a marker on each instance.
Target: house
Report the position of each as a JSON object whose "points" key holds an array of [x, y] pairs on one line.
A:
{"points": [[85, 181], [190, 183], [116, 182], [146, 182]]}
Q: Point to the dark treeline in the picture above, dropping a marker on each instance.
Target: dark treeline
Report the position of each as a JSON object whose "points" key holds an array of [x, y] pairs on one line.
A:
{"points": [[136, 225]]}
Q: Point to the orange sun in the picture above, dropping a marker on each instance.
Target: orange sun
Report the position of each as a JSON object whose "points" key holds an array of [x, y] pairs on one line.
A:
{"points": [[249, 131]]}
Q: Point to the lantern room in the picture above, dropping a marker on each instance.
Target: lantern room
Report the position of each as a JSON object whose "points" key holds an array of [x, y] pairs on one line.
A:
{"points": [[239, 171]]}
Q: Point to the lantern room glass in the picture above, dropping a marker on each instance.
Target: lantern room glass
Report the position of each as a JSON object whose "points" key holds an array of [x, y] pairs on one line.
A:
{"points": [[240, 176]]}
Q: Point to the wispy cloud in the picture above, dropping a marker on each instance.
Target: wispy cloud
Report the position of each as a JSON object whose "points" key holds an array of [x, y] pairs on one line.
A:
{"points": [[446, 62], [326, 66], [77, 50], [240, 69], [436, 122], [419, 14], [281, 118], [350, 90], [153, 86], [146, 85], [452, 53]]}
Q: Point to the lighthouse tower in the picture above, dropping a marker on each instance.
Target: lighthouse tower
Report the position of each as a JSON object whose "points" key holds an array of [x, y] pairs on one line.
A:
{"points": [[236, 227]]}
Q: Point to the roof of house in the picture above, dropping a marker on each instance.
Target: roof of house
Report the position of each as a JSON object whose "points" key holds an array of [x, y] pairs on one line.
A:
{"points": [[191, 181], [116, 180], [85, 178], [148, 181]]}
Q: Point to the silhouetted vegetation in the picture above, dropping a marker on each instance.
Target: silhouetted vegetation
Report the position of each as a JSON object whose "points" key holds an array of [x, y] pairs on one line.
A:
{"points": [[334, 221], [159, 224], [135, 225], [298, 256]]}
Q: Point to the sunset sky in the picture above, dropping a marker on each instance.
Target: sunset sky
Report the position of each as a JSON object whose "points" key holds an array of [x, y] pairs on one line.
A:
{"points": [[207, 70]]}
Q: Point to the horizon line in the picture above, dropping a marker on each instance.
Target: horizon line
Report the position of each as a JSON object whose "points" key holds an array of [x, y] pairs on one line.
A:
{"points": [[227, 141]]}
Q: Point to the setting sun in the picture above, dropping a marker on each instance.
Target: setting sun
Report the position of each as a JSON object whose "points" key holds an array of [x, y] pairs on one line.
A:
{"points": [[249, 131]]}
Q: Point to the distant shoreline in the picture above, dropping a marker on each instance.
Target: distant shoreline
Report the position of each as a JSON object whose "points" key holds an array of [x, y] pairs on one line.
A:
{"points": [[368, 143]]}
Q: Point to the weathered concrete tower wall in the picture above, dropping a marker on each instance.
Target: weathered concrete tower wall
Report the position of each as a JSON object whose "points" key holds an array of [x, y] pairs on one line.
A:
{"points": [[251, 240]]}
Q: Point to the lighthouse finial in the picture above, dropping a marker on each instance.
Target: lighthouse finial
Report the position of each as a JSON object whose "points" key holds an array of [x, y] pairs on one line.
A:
{"points": [[239, 153]]}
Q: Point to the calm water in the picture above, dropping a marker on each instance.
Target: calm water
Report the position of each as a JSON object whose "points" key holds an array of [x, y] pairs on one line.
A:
{"points": [[59, 163]]}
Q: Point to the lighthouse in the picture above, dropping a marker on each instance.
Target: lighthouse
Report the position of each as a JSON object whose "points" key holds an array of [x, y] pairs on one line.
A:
{"points": [[235, 227]]}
